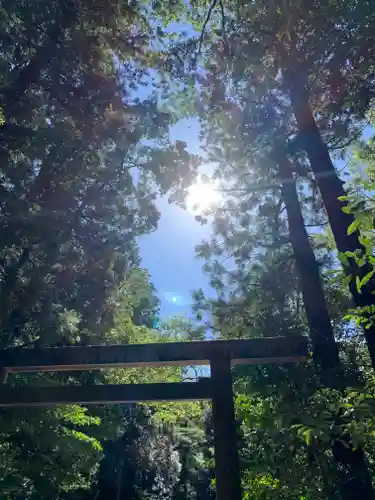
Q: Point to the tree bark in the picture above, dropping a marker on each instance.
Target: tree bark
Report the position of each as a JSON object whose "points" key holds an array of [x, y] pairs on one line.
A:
{"points": [[325, 349], [354, 477], [331, 188]]}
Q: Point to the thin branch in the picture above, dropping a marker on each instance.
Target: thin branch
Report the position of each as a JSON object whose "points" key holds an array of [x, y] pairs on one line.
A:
{"points": [[206, 21], [350, 141], [223, 22], [318, 224]]}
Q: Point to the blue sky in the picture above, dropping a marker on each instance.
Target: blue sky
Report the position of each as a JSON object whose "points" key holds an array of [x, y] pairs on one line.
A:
{"points": [[169, 252]]}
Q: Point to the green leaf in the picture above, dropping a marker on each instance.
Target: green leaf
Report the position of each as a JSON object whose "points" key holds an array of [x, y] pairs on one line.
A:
{"points": [[358, 283], [307, 435], [343, 259], [364, 241], [366, 278], [353, 227], [346, 281], [347, 405]]}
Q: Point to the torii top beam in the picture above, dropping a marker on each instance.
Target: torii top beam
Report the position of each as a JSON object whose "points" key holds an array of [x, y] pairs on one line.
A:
{"points": [[249, 351]]}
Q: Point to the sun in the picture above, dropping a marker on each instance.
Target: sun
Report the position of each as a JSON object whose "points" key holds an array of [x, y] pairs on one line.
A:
{"points": [[202, 196]]}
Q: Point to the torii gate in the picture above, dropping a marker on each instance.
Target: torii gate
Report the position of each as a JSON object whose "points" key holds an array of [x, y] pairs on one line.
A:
{"points": [[219, 354]]}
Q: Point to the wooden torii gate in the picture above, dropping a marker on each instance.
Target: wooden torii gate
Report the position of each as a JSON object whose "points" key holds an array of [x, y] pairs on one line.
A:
{"points": [[219, 354]]}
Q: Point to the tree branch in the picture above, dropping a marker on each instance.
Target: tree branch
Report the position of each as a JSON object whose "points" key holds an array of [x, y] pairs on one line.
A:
{"points": [[318, 224], [223, 22], [206, 21], [350, 141]]}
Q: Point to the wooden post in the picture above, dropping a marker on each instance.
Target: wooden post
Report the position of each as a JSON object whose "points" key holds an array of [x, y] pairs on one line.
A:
{"points": [[105, 393], [3, 375], [228, 481], [244, 351]]}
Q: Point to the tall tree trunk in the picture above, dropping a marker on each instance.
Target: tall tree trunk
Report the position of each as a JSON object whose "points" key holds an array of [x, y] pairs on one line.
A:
{"points": [[354, 476], [325, 349], [331, 188]]}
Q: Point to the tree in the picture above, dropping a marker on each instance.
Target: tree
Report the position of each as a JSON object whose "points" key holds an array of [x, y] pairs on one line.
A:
{"points": [[82, 162], [324, 84], [352, 463], [70, 205], [288, 419], [251, 164]]}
